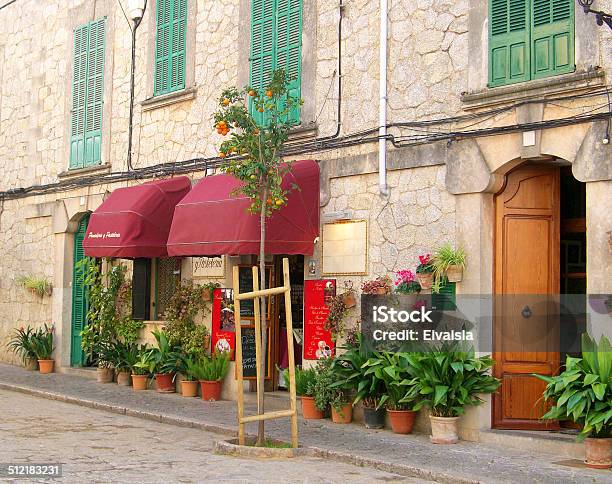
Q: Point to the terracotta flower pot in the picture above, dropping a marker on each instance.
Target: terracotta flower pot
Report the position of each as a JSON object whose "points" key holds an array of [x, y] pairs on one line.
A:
{"points": [[402, 421], [140, 382], [124, 379], [104, 375], [31, 364], [309, 409], [211, 390], [425, 280], [598, 453], [165, 382], [46, 366], [349, 299], [189, 388], [342, 416], [454, 273], [444, 430], [374, 419]]}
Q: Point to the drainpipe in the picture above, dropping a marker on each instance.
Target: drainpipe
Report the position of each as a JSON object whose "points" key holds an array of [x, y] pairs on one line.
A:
{"points": [[382, 107]]}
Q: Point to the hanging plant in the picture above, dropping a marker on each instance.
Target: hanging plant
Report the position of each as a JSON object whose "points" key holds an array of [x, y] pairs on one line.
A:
{"points": [[36, 285], [381, 285]]}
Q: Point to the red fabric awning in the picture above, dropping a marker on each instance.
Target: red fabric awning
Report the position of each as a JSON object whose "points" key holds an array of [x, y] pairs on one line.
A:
{"points": [[212, 221], [135, 221]]}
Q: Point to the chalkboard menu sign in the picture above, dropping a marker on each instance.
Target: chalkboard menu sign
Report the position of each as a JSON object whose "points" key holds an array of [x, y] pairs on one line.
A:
{"points": [[249, 361], [245, 280]]}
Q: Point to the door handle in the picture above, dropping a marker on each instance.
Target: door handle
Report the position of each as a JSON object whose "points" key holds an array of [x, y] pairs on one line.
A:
{"points": [[526, 312]]}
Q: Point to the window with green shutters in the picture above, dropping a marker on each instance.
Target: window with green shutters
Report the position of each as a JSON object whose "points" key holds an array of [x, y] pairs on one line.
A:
{"points": [[87, 94], [276, 42], [170, 46], [530, 39]]}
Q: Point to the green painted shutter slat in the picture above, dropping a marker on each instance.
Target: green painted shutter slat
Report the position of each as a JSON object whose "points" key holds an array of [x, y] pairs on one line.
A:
{"points": [[170, 46], [262, 47], [79, 296], [87, 94], [552, 37], [508, 41], [289, 48]]}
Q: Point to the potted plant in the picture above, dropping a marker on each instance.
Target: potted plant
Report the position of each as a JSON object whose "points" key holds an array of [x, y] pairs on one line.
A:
{"points": [[368, 386], [425, 272], [406, 283], [380, 286], [38, 286], [105, 353], [400, 392], [449, 379], [143, 368], [22, 345], [341, 396], [304, 388], [348, 296], [448, 264], [42, 343], [582, 393], [320, 387], [189, 383], [210, 372], [208, 290], [126, 358], [167, 362]]}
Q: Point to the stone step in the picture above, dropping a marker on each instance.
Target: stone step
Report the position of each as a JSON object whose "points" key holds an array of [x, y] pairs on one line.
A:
{"points": [[89, 372], [561, 443]]}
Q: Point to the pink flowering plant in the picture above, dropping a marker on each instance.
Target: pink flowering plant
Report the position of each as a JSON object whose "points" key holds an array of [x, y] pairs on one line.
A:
{"points": [[425, 264], [405, 282]]}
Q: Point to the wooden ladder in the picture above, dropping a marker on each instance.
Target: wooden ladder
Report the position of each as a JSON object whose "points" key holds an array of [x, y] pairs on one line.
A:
{"points": [[254, 295]]}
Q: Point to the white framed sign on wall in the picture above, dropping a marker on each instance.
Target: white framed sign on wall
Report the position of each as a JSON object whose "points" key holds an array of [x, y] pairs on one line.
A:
{"points": [[208, 267], [345, 247]]}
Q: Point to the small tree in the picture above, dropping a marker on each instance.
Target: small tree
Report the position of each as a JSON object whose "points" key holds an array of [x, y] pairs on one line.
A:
{"points": [[252, 155]]}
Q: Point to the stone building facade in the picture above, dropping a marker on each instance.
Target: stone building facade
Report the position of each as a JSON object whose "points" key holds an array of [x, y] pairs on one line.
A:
{"points": [[446, 161]]}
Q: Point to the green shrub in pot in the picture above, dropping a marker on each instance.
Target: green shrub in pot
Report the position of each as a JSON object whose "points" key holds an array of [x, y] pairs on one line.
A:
{"points": [[582, 393], [22, 344]]}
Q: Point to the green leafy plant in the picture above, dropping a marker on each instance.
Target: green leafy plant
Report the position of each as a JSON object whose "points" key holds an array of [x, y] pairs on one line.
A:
{"points": [[146, 361], [42, 342], [320, 388], [451, 378], [582, 393], [444, 257], [400, 388], [212, 369], [190, 368], [252, 156], [36, 285], [304, 379], [168, 358], [337, 314], [22, 343], [125, 356]]}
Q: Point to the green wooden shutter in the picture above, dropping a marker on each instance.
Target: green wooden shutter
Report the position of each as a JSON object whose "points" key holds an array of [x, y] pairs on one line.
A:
{"points": [[80, 305], [508, 41], [87, 94], [170, 46], [552, 37], [289, 47], [262, 47]]}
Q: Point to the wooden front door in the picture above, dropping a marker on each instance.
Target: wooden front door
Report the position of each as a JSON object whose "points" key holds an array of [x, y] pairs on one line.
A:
{"points": [[526, 273]]}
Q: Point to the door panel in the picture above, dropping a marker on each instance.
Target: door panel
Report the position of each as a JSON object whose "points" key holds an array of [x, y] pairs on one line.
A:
{"points": [[80, 305], [526, 274]]}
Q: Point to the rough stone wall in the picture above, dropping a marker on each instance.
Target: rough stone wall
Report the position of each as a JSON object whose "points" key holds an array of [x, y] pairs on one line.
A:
{"points": [[26, 248]]}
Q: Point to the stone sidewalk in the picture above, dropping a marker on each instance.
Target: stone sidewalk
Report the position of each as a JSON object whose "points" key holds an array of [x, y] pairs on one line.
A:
{"points": [[414, 455]]}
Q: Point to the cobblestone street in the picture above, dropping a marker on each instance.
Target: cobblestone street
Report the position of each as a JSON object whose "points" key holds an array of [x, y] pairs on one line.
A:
{"points": [[96, 446]]}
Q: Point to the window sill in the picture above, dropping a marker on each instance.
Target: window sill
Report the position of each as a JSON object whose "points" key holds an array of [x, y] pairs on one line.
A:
{"points": [[565, 83], [171, 98], [90, 170]]}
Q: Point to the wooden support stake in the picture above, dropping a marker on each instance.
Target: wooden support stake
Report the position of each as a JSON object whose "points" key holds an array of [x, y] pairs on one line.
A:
{"points": [[289, 321], [258, 343], [238, 354]]}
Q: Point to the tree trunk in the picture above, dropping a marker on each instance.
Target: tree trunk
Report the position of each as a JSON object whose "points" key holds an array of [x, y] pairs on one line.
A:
{"points": [[261, 438]]}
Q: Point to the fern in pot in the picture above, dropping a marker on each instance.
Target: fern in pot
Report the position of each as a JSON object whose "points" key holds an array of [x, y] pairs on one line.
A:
{"points": [[582, 393], [449, 379]]}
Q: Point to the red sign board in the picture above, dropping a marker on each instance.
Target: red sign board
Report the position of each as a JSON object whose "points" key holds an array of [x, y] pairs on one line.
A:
{"points": [[317, 340], [223, 330]]}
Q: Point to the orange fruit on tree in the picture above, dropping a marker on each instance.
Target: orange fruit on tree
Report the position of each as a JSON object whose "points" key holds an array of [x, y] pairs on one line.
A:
{"points": [[261, 110], [251, 93], [279, 202], [256, 131], [221, 154], [226, 101], [269, 93]]}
